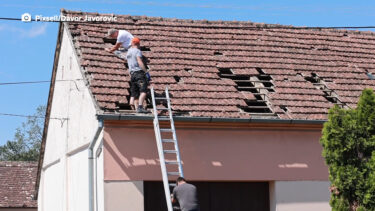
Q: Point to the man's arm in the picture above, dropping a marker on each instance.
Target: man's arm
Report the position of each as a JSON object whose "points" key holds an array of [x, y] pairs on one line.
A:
{"points": [[141, 64], [115, 47], [173, 196]]}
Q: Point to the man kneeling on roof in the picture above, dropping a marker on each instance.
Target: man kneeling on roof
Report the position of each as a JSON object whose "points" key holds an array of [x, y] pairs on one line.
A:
{"points": [[123, 42], [138, 81]]}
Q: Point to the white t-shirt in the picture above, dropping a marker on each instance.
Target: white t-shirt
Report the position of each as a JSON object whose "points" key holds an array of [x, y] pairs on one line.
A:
{"points": [[125, 38]]}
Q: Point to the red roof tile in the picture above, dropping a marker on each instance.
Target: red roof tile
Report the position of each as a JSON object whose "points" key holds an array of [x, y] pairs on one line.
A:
{"points": [[188, 56], [17, 183]]}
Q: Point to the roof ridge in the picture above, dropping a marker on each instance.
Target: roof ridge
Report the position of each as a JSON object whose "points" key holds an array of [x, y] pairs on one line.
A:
{"points": [[229, 24]]}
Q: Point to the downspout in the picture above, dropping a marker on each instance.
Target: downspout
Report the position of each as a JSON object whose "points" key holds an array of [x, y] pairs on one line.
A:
{"points": [[91, 165]]}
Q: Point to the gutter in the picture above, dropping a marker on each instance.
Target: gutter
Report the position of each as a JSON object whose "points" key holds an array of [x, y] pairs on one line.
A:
{"points": [[91, 164], [210, 119]]}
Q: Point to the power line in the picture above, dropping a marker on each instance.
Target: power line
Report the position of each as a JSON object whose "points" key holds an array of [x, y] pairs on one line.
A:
{"points": [[33, 82], [30, 116], [249, 27]]}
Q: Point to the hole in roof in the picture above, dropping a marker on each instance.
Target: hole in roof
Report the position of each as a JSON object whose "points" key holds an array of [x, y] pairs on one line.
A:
{"points": [[284, 108], [126, 65], [258, 87], [225, 71], [331, 98], [217, 53], [265, 77], [109, 40], [260, 71], [256, 109], [311, 79], [188, 69], [177, 78], [243, 83], [145, 48]]}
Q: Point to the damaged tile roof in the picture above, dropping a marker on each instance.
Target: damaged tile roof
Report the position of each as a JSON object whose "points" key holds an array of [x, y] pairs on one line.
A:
{"points": [[232, 69], [17, 183]]}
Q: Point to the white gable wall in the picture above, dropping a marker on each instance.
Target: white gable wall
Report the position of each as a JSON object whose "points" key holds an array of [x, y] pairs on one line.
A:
{"points": [[68, 137]]}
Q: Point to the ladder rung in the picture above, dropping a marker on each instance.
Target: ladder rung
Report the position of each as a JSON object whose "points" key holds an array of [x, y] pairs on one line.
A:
{"points": [[161, 98], [170, 151], [175, 162], [174, 173], [165, 109], [166, 130], [172, 184], [168, 140]]}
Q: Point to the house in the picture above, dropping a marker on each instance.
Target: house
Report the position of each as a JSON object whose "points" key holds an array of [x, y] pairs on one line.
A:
{"points": [[249, 102], [17, 185]]}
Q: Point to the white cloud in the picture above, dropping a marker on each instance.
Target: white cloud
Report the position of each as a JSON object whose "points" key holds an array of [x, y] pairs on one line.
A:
{"points": [[34, 31], [37, 30]]}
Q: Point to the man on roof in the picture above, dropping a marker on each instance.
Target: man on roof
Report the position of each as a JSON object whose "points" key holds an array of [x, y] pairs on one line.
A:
{"points": [[138, 78], [123, 42]]}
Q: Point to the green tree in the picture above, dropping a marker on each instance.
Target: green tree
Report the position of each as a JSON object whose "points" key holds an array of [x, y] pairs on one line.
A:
{"points": [[348, 142], [27, 139]]}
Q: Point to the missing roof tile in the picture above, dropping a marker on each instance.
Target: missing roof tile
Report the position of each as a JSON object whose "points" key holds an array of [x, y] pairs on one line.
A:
{"points": [[260, 71], [225, 71], [189, 70], [145, 48], [217, 53], [177, 78], [284, 108], [109, 40]]}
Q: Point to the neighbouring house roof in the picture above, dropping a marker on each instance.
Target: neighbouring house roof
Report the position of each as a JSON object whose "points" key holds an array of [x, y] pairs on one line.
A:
{"points": [[213, 68], [17, 184]]}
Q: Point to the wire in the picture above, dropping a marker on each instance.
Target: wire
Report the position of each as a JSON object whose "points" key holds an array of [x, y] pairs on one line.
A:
{"points": [[250, 27], [33, 82], [30, 116]]}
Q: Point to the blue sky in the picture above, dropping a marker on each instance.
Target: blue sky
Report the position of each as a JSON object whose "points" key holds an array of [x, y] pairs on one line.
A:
{"points": [[27, 49]]}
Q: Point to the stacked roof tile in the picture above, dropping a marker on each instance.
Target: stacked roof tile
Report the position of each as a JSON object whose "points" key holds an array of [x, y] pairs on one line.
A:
{"points": [[17, 183], [216, 68]]}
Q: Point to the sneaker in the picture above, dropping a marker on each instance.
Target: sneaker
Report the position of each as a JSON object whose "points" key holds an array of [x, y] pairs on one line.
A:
{"points": [[141, 110]]}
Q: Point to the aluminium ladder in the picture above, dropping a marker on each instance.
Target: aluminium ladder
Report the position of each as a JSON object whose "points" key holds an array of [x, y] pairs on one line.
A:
{"points": [[162, 142]]}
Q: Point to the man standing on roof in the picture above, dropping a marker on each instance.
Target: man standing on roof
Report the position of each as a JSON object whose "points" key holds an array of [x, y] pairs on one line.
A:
{"points": [[186, 195], [123, 42], [138, 78]]}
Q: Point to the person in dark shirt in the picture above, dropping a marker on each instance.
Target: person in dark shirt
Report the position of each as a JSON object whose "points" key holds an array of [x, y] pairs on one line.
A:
{"points": [[186, 195]]}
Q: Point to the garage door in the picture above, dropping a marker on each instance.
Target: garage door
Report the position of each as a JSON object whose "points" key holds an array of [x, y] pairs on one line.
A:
{"points": [[215, 196]]}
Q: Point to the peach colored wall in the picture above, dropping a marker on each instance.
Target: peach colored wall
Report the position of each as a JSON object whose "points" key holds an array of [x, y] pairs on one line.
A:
{"points": [[130, 153]]}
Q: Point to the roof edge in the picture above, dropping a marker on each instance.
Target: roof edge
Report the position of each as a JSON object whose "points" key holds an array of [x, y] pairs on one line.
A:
{"points": [[49, 106], [121, 117]]}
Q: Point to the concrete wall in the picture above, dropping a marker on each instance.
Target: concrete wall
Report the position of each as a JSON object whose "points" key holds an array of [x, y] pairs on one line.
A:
{"points": [[123, 195], [217, 154], [77, 180], [53, 189], [72, 126], [299, 195]]}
